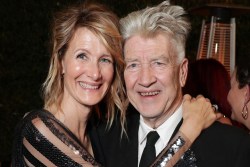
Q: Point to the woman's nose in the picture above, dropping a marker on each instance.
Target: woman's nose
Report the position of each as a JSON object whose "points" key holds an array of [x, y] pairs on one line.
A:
{"points": [[94, 71]]}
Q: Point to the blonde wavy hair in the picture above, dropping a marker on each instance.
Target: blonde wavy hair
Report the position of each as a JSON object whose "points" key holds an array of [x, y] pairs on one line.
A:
{"points": [[102, 22]]}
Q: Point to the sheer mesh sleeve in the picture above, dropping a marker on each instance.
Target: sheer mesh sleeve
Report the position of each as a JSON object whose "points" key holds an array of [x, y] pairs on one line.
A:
{"points": [[41, 140], [173, 152]]}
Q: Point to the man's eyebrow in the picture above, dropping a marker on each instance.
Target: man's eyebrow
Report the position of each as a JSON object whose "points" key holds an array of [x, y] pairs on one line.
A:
{"points": [[161, 57], [130, 59]]}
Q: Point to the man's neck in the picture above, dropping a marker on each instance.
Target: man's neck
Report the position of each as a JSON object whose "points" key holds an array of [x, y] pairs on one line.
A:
{"points": [[159, 120]]}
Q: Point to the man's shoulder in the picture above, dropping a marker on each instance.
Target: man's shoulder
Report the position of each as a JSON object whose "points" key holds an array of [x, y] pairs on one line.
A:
{"points": [[222, 145], [221, 129], [222, 135]]}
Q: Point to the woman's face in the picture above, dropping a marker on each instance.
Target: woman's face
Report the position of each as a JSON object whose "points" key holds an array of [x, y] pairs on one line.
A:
{"points": [[88, 69], [236, 99]]}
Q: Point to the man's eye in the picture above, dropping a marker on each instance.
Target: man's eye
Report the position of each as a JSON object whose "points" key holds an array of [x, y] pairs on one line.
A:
{"points": [[81, 56], [134, 65], [158, 63]]}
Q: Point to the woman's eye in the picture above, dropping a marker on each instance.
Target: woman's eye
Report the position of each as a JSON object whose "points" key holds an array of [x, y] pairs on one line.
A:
{"points": [[81, 56], [106, 60]]}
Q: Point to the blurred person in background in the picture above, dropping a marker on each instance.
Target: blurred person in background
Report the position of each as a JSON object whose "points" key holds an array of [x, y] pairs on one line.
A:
{"points": [[210, 78], [239, 93]]}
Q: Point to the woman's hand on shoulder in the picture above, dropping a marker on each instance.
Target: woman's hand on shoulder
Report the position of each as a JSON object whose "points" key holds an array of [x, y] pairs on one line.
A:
{"points": [[198, 114]]}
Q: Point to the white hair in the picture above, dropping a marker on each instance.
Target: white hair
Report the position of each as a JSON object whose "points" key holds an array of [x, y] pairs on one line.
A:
{"points": [[164, 18]]}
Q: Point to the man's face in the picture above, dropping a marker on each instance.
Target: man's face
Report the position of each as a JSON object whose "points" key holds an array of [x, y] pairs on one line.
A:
{"points": [[153, 78]]}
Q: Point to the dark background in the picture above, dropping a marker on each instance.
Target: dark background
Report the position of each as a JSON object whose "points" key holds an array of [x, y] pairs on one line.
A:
{"points": [[24, 51]]}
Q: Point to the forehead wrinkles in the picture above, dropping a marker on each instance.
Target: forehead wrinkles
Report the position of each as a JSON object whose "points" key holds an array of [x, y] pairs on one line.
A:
{"points": [[144, 50]]}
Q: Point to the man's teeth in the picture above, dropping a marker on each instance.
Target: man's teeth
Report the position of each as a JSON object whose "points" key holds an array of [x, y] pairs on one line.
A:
{"points": [[87, 86], [149, 93]]}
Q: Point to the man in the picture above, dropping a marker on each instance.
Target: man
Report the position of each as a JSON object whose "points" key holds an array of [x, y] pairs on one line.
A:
{"points": [[156, 70]]}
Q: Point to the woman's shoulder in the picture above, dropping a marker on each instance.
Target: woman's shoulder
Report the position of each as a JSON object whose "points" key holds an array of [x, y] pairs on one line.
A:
{"points": [[43, 126], [27, 131], [37, 113], [35, 118]]}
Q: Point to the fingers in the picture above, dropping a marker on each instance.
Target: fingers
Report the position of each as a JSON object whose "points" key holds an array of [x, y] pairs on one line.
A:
{"points": [[199, 111], [200, 97], [187, 97], [215, 107], [211, 116], [218, 115], [198, 114]]}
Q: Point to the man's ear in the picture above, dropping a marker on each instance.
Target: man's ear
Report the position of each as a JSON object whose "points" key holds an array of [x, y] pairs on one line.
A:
{"points": [[183, 72]]}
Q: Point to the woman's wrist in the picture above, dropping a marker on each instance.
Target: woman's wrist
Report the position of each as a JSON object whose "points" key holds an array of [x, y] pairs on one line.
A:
{"points": [[190, 130]]}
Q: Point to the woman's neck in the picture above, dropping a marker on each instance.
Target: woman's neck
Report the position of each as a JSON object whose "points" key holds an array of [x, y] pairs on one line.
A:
{"points": [[75, 118]]}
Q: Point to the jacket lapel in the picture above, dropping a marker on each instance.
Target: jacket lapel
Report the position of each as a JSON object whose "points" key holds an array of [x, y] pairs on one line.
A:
{"points": [[130, 150]]}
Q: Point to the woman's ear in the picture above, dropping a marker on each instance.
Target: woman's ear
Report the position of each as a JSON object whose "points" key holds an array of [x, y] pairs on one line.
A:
{"points": [[247, 93], [183, 72], [63, 67]]}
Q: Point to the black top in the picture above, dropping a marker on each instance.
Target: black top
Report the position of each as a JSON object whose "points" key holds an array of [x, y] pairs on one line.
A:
{"points": [[42, 140]]}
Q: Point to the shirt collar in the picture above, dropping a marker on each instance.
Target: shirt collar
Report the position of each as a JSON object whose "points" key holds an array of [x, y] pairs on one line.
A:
{"points": [[165, 130]]}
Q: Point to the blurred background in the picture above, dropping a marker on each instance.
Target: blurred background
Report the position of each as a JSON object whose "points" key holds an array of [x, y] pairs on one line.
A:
{"points": [[24, 51]]}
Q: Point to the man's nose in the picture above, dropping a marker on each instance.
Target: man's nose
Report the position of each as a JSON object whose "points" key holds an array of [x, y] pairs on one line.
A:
{"points": [[146, 75]]}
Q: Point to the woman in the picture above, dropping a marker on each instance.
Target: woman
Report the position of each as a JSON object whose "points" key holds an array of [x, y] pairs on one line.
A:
{"points": [[83, 80], [239, 94], [203, 78], [85, 70]]}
